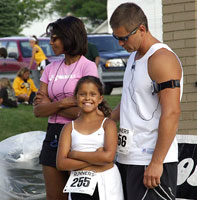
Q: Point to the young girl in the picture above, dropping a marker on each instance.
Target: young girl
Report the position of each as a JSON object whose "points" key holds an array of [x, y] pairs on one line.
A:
{"points": [[7, 95], [39, 57], [87, 147], [38, 54]]}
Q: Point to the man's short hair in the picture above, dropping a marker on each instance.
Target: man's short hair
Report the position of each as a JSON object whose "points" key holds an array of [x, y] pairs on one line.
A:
{"points": [[128, 15]]}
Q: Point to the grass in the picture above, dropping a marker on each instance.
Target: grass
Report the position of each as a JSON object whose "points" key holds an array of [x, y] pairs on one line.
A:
{"points": [[19, 120]]}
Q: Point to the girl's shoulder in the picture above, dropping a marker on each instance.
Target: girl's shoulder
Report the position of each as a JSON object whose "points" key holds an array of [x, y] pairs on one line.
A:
{"points": [[36, 46], [68, 126], [108, 123]]}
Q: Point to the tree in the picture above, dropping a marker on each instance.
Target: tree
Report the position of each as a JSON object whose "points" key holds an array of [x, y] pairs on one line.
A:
{"points": [[94, 10], [16, 14]]}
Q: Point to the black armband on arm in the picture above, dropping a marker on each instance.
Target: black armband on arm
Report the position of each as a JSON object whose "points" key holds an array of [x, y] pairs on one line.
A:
{"points": [[168, 84]]}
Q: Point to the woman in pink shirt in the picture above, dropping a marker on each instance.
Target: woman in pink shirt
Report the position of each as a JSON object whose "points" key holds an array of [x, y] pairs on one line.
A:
{"points": [[55, 97]]}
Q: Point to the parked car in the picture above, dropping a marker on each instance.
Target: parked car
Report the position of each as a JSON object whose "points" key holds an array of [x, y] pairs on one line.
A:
{"points": [[113, 60], [113, 57], [19, 54]]}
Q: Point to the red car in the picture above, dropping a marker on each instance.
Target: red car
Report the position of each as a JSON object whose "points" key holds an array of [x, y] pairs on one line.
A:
{"points": [[19, 54]]}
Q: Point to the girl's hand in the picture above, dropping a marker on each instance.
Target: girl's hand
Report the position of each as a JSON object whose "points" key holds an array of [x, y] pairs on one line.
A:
{"points": [[100, 149], [71, 154]]}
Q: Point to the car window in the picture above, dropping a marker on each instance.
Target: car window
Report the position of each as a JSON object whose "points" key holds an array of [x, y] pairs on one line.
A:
{"points": [[12, 48], [26, 49], [106, 43], [44, 44], [46, 47], [3, 43]]}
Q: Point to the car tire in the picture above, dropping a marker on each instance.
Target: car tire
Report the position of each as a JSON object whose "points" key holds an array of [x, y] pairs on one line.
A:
{"points": [[107, 88]]}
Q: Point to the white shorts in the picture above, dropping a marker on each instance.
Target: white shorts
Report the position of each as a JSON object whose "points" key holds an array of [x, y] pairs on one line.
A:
{"points": [[110, 184], [42, 65]]}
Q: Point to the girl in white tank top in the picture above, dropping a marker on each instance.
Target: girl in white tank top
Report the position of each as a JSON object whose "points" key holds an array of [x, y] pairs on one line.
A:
{"points": [[87, 147]]}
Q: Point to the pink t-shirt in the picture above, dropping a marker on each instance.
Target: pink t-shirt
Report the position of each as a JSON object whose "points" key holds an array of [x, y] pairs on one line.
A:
{"points": [[62, 79]]}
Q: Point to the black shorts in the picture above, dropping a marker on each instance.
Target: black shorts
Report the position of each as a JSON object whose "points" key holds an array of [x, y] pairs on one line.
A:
{"points": [[134, 189], [49, 147], [79, 196]]}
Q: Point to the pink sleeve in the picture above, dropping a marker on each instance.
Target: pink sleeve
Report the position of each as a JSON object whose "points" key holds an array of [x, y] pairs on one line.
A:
{"points": [[90, 69], [45, 75]]}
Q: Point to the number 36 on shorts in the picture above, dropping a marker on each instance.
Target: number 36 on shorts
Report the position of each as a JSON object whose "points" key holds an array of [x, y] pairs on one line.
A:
{"points": [[124, 138]]}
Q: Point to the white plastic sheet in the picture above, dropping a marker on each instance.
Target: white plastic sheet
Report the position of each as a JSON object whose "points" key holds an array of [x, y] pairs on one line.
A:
{"points": [[20, 172]]}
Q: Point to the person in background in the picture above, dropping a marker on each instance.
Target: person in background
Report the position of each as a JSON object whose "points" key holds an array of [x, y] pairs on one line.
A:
{"points": [[149, 109], [93, 53], [24, 87], [55, 98], [89, 143], [3, 52], [7, 94], [39, 57]]}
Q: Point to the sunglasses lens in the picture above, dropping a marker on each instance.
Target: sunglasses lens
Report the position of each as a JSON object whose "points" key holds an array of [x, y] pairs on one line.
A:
{"points": [[120, 38], [123, 38], [53, 38]]}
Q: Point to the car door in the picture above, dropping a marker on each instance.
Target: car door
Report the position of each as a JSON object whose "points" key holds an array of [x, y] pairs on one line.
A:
{"points": [[10, 64]]}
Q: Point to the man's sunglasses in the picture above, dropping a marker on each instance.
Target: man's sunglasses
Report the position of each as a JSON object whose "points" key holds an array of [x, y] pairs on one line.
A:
{"points": [[125, 38], [53, 38]]}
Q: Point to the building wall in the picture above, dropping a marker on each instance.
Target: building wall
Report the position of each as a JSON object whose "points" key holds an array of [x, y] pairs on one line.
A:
{"points": [[180, 33]]}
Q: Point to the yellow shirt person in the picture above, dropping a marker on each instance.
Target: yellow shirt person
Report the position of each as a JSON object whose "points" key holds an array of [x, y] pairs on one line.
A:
{"points": [[24, 86], [39, 55]]}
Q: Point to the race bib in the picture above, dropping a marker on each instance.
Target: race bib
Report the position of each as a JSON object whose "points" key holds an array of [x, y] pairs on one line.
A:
{"points": [[81, 182], [124, 141]]}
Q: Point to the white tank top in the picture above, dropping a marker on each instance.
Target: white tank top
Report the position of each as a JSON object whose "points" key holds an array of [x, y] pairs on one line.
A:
{"points": [[140, 112], [87, 143]]}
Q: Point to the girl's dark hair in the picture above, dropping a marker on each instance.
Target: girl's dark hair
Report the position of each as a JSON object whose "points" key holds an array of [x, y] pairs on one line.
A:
{"points": [[35, 39], [103, 106], [71, 31]]}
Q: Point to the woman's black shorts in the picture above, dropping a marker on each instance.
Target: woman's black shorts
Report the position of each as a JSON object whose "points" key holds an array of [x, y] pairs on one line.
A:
{"points": [[49, 147]]}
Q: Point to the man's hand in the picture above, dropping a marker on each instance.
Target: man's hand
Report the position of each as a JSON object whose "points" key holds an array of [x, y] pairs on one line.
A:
{"points": [[152, 175]]}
